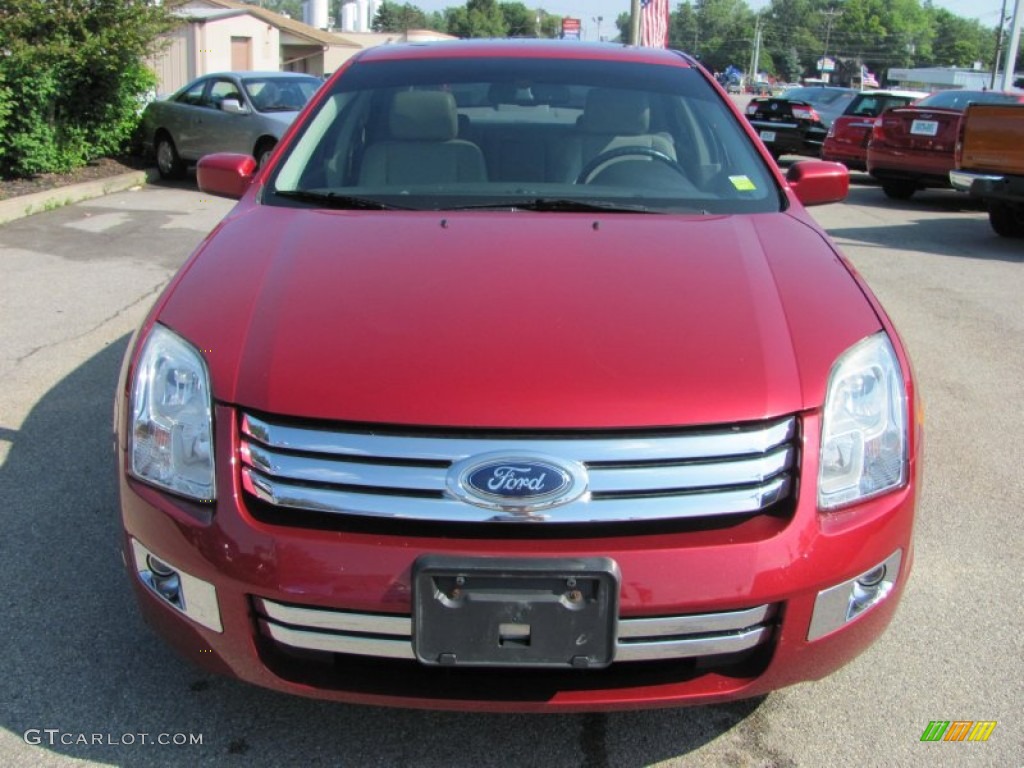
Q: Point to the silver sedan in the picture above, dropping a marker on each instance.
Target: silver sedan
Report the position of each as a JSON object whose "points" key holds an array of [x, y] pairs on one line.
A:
{"points": [[244, 112]]}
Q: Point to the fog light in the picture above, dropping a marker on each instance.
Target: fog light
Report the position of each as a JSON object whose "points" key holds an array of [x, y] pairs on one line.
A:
{"points": [[872, 578], [165, 581], [844, 602], [187, 594], [159, 567], [168, 587]]}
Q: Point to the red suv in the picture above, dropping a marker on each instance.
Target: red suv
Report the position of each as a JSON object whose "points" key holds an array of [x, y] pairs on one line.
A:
{"points": [[519, 379]]}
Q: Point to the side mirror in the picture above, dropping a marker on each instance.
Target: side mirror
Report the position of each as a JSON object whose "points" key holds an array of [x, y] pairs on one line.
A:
{"points": [[233, 107], [226, 174], [815, 182]]}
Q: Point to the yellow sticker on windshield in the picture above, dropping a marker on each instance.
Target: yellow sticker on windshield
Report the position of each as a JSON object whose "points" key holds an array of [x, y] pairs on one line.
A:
{"points": [[742, 183]]}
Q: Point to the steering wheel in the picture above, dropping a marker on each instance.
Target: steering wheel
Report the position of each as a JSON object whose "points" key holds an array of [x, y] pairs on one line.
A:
{"points": [[611, 154]]}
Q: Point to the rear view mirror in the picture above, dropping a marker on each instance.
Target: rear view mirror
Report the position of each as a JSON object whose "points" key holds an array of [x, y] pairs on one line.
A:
{"points": [[225, 173], [816, 182], [233, 107]]}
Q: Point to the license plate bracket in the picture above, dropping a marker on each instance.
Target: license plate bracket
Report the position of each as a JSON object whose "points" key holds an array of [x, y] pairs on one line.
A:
{"points": [[515, 612]]}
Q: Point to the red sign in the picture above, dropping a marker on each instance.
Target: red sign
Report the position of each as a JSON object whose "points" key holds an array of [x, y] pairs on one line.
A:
{"points": [[570, 29]]}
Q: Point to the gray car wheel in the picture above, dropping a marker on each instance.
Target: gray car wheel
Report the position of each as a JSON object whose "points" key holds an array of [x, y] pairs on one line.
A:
{"points": [[899, 189], [168, 162], [263, 151]]}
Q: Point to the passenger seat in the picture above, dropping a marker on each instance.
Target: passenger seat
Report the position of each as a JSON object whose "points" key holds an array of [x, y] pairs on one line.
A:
{"points": [[423, 148]]}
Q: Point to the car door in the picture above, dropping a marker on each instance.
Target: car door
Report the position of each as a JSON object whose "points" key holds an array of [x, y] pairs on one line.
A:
{"points": [[219, 131], [180, 118]]}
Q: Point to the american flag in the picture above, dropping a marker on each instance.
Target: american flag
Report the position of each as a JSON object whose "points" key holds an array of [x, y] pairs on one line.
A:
{"points": [[654, 23], [867, 79]]}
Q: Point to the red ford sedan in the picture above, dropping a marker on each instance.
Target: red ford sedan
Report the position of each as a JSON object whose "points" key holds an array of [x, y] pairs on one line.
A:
{"points": [[848, 136], [519, 379], [913, 147]]}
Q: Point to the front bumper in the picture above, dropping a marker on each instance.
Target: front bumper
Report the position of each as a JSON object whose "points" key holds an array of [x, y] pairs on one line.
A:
{"points": [[280, 593]]}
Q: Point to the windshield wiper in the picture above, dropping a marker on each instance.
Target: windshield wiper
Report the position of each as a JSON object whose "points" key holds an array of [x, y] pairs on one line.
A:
{"points": [[556, 205], [334, 200]]}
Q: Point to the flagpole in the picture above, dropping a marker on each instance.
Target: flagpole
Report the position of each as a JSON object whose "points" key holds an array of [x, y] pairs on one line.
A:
{"points": [[634, 22]]}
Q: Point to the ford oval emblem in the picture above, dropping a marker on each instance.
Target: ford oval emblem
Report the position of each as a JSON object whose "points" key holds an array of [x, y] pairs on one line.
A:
{"points": [[517, 481]]}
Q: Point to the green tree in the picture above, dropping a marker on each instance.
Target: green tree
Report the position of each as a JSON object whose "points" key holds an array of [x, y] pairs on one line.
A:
{"points": [[959, 42], [684, 28], [520, 21], [74, 79], [785, 64], [550, 24], [478, 18], [790, 32], [718, 32], [622, 22], [435, 21], [392, 17]]}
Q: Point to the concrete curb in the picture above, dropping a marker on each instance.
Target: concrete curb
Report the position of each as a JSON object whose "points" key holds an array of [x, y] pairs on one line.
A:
{"points": [[37, 202]]}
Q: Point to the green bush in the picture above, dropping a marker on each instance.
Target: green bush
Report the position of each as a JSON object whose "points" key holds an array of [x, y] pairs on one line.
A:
{"points": [[71, 80]]}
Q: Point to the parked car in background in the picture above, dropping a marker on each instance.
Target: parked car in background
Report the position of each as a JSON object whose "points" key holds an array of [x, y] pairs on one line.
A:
{"points": [[990, 163], [912, 147], [519, 379], [797, 121], [245, 112], [848, 136]]}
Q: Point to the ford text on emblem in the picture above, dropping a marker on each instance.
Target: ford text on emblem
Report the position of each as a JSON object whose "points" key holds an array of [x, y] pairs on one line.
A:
{"points": [[517, 481]]}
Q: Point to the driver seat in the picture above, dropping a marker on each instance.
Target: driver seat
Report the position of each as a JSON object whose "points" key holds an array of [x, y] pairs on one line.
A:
{"points": [[612, 119]]}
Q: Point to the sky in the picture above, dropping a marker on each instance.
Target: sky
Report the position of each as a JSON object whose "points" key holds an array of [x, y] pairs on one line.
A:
{"points": [[986, 11]]}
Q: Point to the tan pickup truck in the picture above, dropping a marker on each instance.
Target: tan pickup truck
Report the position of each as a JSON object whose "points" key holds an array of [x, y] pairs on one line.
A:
{"points": [[990, 163]]}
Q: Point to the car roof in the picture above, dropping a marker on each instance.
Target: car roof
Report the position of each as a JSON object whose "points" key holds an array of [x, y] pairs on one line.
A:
{"points": [[897, 92], [822, 87], [524, 48], [243, 74]]}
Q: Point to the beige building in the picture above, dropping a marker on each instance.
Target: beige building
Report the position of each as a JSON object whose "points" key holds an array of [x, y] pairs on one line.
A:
{"points": [[219, 35]]}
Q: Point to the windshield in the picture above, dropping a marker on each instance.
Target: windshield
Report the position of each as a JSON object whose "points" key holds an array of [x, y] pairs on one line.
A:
{"points": [[873, 104], [280, 94], [814, 95], [551, 134], [959, 100]]}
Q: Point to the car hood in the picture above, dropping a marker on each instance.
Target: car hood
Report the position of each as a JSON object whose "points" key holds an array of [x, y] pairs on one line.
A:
{"points": [[516, 320]]}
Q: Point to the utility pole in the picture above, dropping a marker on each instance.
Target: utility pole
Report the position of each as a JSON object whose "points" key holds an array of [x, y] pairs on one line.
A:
{"points": [[832, 14], [999, 46], [634, 22], [755, 54], [1012, 46]]}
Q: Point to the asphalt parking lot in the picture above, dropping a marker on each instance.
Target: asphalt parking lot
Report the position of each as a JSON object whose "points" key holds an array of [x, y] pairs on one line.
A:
{"points": [[80, 664]]}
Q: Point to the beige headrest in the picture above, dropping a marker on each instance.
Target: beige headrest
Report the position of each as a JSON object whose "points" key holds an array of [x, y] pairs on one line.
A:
{"points": [[424, 116]]}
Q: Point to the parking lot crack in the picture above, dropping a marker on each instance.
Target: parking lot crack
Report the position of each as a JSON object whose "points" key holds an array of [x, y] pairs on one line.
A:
{"points": [[147, 296]]}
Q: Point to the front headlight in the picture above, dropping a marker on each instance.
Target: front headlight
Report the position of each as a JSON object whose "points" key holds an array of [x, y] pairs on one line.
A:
{"points": [[171, 430], [863, 426]]}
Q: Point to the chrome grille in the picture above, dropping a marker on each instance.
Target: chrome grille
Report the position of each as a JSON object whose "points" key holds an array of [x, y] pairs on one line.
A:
{"points": [[381, 636], [632, 476]]}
